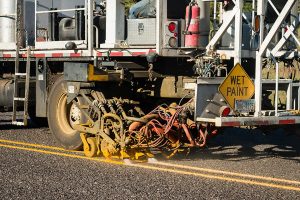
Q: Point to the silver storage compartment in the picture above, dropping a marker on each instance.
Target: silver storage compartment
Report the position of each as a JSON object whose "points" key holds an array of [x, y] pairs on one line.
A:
{"points": [[141, 31]]}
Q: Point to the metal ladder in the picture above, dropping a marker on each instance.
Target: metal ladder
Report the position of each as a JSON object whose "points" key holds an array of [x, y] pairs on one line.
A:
{"points": [[19, 78]]}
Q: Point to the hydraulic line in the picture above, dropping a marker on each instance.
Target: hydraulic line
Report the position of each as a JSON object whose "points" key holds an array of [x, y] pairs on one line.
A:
{"points": [[167, 127]]}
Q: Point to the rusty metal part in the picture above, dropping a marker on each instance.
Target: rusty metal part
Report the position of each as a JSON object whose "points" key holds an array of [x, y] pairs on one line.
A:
{"points": [[120, 108], [133, 119], [121, 134], [93, 148], [90, 147], [117, 125], [107, 149], [139, 111], [103, 76], [135, 125], [175, 87], [168, 132]]}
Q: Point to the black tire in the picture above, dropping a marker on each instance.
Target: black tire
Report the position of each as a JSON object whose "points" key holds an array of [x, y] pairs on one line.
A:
{"points": [[59, 117]]}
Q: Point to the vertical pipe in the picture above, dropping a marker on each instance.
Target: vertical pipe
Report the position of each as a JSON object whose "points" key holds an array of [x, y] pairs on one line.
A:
{"points": [[276, 84], [238, 32], [86, 35], [215, 14], [204, 27], [115, 26], [253, 25], [258, 84], [90, 26], [35, 21], [80, 23], [298, 108], [15, 29], [97, 36], [53, 25], [161, 17], [276, 88], [258, 64], [261, 10], [221, 15], [289, 97], [77, 23]]}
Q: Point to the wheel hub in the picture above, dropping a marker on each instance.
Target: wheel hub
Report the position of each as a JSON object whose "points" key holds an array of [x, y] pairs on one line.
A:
{"points": [[75, 115]]}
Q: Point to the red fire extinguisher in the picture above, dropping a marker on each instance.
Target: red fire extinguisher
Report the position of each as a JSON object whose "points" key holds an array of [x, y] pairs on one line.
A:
{"points": [[192, 35]]}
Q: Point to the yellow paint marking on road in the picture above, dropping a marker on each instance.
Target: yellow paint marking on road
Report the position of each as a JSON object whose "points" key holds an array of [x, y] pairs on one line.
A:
{"points": [[171, 165], [33, 145], [62, 154], [226, 173], [248, 182]]}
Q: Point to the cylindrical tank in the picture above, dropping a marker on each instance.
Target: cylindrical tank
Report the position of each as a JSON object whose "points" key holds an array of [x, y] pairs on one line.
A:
{"points": [[7, 23], [192, 24], [67, 29], [6, 93], [204, 22]]}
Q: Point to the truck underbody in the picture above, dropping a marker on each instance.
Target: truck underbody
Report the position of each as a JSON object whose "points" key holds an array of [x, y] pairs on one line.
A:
{"points": [[123, 87]]}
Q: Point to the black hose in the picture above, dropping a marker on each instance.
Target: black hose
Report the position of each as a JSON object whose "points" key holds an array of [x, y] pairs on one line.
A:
{"points": [[79, 23], [53, 25]]}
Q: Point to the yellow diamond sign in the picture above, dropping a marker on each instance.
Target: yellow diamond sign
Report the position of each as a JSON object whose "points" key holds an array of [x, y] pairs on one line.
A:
{"points": [[237, 86]]}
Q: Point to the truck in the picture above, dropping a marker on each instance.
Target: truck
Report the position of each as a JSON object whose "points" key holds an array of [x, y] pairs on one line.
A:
{"points": [[122, 86]]}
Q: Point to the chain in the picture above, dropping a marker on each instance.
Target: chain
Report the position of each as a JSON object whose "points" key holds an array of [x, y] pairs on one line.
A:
{"points": [[150, 72]]}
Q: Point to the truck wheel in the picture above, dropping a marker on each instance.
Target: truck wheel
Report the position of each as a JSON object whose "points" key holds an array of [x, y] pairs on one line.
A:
{"points": [[59, 119]]}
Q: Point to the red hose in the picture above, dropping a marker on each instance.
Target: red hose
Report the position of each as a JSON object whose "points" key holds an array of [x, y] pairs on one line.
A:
{"points": [[188, 135], [202, 135]]}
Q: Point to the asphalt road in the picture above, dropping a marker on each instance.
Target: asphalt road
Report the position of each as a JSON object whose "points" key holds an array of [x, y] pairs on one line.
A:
{"points": [[238, 164]]}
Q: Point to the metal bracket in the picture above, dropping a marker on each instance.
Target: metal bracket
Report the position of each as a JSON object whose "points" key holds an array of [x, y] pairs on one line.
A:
{"points": [[41, 87], [264, 45], [75, 88]]}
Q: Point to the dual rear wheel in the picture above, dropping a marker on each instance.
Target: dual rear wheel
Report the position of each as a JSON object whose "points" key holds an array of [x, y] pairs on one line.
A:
{"points": [[61, 116]]}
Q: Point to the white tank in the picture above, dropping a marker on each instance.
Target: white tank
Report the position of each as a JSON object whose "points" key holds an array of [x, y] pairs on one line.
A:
{"points": [[7, 24], [204, 22]]}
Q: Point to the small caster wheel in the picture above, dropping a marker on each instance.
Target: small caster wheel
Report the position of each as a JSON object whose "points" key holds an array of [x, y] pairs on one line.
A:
{"points": [[90, 150]]}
